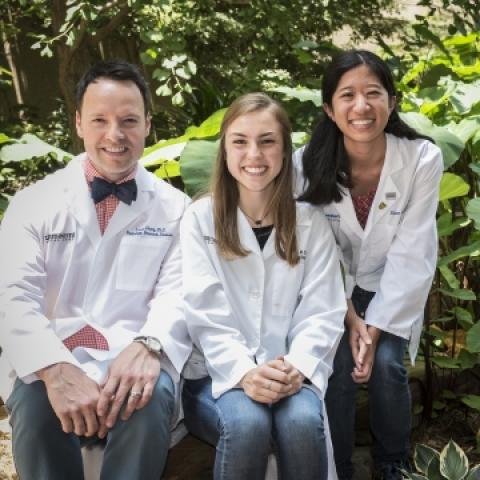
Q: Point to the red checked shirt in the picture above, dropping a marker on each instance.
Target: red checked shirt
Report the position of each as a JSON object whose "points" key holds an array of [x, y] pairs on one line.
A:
{"points": [[362, 205], [88, 336]]}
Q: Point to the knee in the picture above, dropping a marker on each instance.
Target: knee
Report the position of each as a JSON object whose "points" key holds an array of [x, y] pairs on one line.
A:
{"points": [[31, 411], [305, 423], [388, 368], [246, 425]]}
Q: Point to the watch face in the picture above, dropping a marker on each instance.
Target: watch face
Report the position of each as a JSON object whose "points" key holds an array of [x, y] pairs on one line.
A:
{"points": [[154, 344]]}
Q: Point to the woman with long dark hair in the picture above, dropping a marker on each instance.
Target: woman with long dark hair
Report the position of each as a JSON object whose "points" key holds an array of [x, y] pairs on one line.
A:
{"points": [[377, 180], [264, 305]]}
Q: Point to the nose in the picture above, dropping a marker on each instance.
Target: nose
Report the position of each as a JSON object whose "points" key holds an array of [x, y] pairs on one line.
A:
{"points": [[361, 103], [253, 150], [115, 132]]}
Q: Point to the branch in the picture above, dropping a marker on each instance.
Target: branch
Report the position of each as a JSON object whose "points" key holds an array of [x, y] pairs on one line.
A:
{"points": [[114, 23]]}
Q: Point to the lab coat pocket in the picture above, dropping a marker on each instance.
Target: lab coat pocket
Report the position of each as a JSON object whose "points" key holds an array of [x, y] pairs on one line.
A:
{"points": [[139, 261], [378, 242]]}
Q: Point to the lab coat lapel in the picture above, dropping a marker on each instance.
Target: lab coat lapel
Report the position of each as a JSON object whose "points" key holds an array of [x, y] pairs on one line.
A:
{"points": [[387, 192], [79, 200], [126, 214], [347, 213]]}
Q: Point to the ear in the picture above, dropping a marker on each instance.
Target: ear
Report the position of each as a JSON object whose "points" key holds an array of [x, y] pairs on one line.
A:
{"points": [[328, 110], [78, 124], [148, 124], [392, 103]]}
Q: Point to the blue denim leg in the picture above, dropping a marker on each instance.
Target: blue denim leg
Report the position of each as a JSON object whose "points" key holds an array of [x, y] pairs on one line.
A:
{"points": [[41, 450], [239, 428], [340, 403], [341, 395], [389, 402], [137, 448], [299, 436]]}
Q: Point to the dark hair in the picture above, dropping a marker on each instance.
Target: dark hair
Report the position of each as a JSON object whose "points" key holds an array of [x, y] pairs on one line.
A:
{"points": [[325, 161], [225, 193], [115, 70]]}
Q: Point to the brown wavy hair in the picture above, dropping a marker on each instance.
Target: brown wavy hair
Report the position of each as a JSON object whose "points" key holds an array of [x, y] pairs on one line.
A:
{"points": [[225, 193]]}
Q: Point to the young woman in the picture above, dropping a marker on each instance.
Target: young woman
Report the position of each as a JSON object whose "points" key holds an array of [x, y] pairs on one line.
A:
{"points": [[264, 305], [377, 180]]}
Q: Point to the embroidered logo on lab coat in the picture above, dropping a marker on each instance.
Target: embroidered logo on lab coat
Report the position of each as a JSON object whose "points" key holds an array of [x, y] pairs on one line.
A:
{"points": [[59, 237], [302, 254], [149, 231], [209, 240]]}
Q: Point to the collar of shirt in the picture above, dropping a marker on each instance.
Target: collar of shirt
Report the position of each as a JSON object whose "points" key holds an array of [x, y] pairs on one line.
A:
{"points": [[106, 208]]}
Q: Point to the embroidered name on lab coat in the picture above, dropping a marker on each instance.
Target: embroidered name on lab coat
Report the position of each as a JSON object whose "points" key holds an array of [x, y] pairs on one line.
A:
{"points": [[149, 231], [59, 237], [332, 217], [209, 240], [302, 254]]}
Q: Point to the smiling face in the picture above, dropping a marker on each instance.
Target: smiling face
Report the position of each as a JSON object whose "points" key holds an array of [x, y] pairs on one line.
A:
{"points": [[113, 126], [254, 151], [360, 108]]}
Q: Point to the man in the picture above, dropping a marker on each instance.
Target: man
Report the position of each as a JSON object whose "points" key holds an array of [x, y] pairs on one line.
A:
{"points": [[91, 323]]}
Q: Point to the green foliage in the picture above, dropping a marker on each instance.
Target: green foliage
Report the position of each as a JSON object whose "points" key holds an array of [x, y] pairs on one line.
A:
{"points": [[450, 464]]}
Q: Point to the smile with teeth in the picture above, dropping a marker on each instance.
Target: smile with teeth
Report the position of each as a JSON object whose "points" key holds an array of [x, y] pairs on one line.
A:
{"points": [[367, 121], [115, 149], [255, 170]]}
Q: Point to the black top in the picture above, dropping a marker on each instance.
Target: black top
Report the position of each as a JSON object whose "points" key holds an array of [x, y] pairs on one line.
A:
{"points": [[262, 234]]}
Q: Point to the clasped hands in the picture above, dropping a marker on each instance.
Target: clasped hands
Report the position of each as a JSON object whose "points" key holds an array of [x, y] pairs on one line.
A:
{"points": [[86, 408], [363, 342], [272, 381]]}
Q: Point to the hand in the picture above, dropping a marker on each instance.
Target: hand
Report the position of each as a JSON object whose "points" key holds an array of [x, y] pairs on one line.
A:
{"points": [[134, 370], [295, 377], [361, 373], [359, 337], [267, 383], [73, 397]]}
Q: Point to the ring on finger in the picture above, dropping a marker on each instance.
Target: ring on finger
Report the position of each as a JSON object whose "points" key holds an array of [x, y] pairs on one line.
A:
{"points": [[135, 393]]}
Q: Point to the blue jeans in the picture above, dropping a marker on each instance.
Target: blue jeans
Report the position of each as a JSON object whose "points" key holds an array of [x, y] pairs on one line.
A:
{"points": [[244, 432], [388, 399], [135, 449]]}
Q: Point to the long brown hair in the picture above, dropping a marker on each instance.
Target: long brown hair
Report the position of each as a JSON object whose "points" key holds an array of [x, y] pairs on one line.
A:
{"points": [[225, 193]]}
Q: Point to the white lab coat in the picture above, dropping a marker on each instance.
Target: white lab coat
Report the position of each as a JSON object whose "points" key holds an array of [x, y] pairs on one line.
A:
{"points": [[59, 274], [246, 311], [396, 255]]}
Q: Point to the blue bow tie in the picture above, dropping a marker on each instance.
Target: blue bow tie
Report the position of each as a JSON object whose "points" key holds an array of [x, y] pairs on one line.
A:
{"points": [[126, 192]]}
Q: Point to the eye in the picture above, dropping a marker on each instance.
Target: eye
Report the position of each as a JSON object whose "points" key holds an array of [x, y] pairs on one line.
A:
{"points": [[373, 93], [346, 95], [130, 121], [239, 141], [98, 120], [267, 141]]}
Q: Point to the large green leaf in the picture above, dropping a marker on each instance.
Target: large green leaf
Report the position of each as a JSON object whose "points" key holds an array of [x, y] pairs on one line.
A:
{"points": [[449, 276], [453, 462], [473, 338], [302, 94], [446, 362], [28, 147], [463, 316], [473, 211], [465, 129], [449, 143], [433, 470], [445, 226], [423, 457], [196, 163], [4, 138], [452, 186], [168, 169], [472, 250], [467, 359], [210, 128], [465, 96], [460, 294], [162, 154]]}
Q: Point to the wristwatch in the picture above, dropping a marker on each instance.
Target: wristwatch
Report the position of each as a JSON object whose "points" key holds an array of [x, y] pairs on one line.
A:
{"points": [[152, 343]]}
